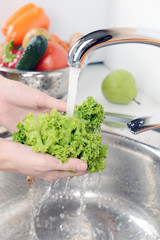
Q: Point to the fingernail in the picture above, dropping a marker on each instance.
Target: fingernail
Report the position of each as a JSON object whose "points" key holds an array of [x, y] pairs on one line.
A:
{"points": [[81, 167]]}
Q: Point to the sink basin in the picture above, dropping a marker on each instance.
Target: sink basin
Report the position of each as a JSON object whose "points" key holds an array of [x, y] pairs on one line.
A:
{"points": [[121, 203]]}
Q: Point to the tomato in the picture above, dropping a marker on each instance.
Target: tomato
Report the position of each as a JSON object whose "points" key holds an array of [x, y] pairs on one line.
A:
{"points": [[54, 58]]}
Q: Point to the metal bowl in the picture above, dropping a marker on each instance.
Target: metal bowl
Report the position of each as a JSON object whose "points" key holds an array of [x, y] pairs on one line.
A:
{"points": [[121, 204], [53, 83]]}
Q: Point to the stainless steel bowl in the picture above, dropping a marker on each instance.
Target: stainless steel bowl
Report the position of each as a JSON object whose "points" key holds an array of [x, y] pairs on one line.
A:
{"points": [[53, 83], [121, 204]]}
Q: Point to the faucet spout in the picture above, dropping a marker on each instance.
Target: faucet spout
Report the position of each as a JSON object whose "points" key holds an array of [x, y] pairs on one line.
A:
{"points": [[80, 51]]}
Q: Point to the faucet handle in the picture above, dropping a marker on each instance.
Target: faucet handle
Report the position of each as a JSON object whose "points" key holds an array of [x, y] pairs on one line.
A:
{"points": [[143, 124]]}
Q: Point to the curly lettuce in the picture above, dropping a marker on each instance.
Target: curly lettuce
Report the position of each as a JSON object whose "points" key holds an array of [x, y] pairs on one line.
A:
{"points": [[67, 137]]}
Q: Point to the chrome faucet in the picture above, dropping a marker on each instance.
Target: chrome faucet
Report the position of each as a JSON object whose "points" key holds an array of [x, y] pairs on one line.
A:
{"points": [[80, 51]]}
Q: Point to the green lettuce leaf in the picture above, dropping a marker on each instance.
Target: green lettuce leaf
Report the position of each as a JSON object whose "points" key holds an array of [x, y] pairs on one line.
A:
{"points": [[66, 137]]}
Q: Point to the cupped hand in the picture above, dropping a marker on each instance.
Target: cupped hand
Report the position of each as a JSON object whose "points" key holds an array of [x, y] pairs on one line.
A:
{"points": [[18, 99], [21, 159]]}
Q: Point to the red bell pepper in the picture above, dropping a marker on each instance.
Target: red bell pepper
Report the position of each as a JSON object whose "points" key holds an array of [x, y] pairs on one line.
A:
{"points": [[11, 56]]}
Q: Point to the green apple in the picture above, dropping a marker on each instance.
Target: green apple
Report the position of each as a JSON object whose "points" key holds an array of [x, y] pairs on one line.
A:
{"points": [[119, 87]]}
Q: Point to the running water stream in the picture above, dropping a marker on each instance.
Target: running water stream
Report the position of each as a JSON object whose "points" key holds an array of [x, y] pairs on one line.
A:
{"points": [[38, 195], [72, 90], [51, 213]]}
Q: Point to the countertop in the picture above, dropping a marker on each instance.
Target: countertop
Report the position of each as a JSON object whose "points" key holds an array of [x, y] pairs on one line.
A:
{"points": [[90, 81]]}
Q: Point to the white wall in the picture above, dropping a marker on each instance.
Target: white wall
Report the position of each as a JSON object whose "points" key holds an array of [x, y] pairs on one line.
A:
{"points": [[142, 60], [66, 16]]}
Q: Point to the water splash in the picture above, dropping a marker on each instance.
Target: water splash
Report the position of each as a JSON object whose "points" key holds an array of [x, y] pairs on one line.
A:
{"points": [[99, 195], [36, 197], [63, 197], [83, 185]]}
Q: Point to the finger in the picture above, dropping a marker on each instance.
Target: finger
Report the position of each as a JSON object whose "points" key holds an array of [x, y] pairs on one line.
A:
{"points": [[73, 164], [51, 102], [30, 162], [40, 100], [54, 175]]}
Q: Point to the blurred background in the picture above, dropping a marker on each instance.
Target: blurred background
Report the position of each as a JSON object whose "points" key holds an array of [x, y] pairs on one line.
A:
{"points": [[83, 16], [66, 17], [142, 60]]}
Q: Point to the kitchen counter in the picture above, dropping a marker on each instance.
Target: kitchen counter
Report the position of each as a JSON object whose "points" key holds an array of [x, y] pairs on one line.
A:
{"points": [[90, 81]]}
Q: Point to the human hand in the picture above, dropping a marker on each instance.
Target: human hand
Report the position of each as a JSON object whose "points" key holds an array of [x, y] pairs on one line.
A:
{"points": [[21, 159], [17, 100]]}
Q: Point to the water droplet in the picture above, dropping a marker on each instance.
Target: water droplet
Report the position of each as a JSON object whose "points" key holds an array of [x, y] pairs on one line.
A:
{"points": [[99, 205], [130, 220], [62, 216], [61, 227]]}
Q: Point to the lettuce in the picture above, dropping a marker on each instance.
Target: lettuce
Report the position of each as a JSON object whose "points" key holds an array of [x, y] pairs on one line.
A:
{"points": [[67, 137]]}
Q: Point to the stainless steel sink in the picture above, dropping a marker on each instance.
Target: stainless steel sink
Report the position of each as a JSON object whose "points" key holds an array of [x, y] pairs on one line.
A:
{"points": [[122, 203]]}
